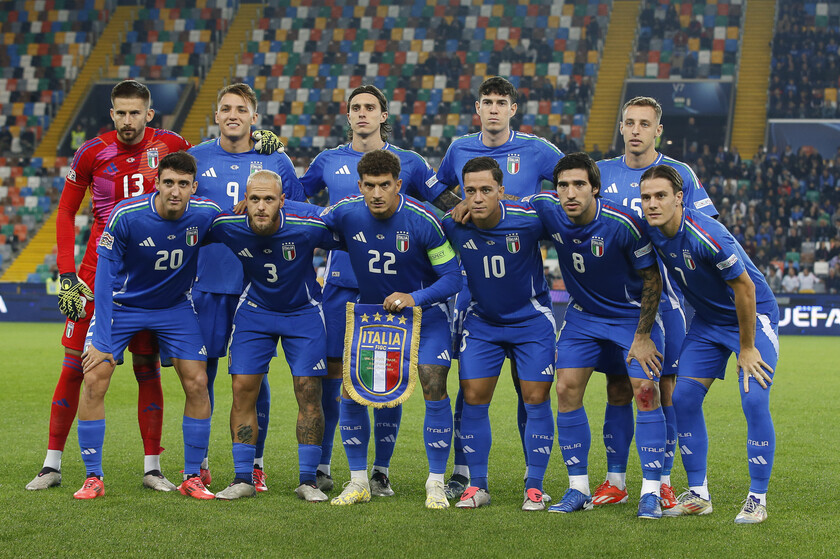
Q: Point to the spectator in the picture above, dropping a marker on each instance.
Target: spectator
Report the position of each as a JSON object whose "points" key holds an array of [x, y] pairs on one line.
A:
{"points": [[774, 278], [790, 283], [807, 280], [832, 282]]}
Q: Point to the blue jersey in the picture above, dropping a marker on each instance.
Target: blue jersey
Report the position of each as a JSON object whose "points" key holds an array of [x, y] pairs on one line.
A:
{"points": [[599, 260], [526, 160], [702, 257], [407, 252], [620, 184], [278, 268], [504, 264], [156, 257], [222, 177], [335, 170]]}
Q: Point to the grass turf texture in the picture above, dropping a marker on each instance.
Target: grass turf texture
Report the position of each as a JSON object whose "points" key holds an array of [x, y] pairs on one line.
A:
{"points": [[134, 521]]}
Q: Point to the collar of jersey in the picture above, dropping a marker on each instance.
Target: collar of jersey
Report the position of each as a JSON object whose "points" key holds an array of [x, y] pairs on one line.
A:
{"points": [[657, 161], [481, 135], [350, 148]]}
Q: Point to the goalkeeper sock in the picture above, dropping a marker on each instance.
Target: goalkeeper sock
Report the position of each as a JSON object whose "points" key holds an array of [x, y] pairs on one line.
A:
{"points": [[149, 406], [386, 426], [65, 402], [263, 415]]}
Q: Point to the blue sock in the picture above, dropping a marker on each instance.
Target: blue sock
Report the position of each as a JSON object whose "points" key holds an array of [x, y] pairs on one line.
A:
{"points": [[330, 401], [691, 428], [212, 369], [263, 414], [386, 426], [91, 438], [539, 438], [308, 456], [761, 437], [618, 434], [670, 438], [650, 442], [354, 425], [476, 439], [457, 447], [196, 439], [243, 460], [574, 440], [522, 421], [437, 434]]}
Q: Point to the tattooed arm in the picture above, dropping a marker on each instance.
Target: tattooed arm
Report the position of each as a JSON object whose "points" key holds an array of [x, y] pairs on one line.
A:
{"points": [[643, 349], [447, 199]]}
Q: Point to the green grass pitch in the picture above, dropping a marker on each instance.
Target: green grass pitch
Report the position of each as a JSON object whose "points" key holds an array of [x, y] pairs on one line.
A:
{"points": [[131, 521]]}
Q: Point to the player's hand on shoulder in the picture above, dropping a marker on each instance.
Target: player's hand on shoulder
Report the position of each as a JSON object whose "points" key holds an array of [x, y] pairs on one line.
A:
{"points": [[266, 142], [73, 295], [750, 361], [461, 213], [240, 207], [644, 351], [397, 301], [93, 357]]}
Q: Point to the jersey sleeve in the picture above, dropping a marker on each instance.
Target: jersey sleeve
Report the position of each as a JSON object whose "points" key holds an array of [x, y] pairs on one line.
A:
{"points": [[727, 260], [695, 196], [643, 253], [112, 243], [446, 173], [312, 180], [65, 223], [445, 265], [292, 187], [549, 156], [425, 184]]}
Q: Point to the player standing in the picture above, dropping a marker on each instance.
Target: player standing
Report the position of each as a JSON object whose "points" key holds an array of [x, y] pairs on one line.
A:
{"points": [[613, 278], [224, 165], [115, 166], [640, 126], [736, 312], [274, 243], [335, 170], [148, 255], [509, 314], [401, 256], [526, 161]]}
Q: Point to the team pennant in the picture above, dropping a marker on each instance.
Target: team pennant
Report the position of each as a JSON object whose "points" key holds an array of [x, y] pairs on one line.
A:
{"points": [[381, 351]]}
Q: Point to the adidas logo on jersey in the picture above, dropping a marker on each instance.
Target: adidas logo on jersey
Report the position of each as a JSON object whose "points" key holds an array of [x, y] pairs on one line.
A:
{"points": [[360, 237], [444, 356], [246, 253], [612, 189], [319, 366], [148, 242], [557, 237], [470, 245], [211, 172], [345, 170]]}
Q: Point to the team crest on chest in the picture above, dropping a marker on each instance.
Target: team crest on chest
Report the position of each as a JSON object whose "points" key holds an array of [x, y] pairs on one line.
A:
{"points": [[689, 261], [255, 167], [402, 241], [289, 251], [512, 242], [597, 244], [513, 163], [153, 158], [192, 236]]}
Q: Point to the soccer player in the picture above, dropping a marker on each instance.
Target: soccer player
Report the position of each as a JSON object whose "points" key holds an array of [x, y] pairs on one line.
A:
{"points": [[115, 166], [274, 243], [526, 161], [735, 311], [509, 313], [613, 278], [402, 259], [147, 263], [640, 126], [335, 170], [224, 165]]}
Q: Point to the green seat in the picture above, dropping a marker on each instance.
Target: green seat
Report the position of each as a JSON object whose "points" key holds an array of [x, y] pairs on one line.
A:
{"points": [[388, 57], [792, 256], [308, 82], [422, 94]]}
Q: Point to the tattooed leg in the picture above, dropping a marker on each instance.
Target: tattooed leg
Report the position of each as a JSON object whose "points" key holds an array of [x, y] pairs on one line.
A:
{"points": [[433, 381], [310, 421], [243, 411]]}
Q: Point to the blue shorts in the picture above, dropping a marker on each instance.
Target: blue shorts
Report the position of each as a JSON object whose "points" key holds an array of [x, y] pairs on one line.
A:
{"points": [[256, 333], [435, 337], [674, 322], [707, 347], [177, 329], [590, 341], [460, 304], [335, 299], [530, 343], [215, 316]]}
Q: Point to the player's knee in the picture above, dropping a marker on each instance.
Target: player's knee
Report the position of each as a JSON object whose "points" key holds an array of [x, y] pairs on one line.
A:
{"points": [[647, 396], [686, 398], [755, 403], [619, 390]]}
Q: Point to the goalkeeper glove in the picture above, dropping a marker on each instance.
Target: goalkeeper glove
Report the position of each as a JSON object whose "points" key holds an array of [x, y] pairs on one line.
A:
{"points": [[72, 296], [266, 142]]}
